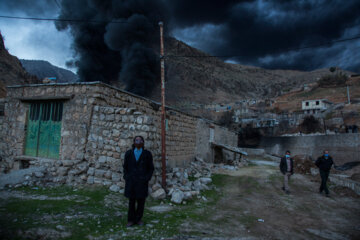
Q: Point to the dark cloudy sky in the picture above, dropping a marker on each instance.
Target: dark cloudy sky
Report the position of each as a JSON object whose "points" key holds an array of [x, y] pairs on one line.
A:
{"points": [[255, 32]]}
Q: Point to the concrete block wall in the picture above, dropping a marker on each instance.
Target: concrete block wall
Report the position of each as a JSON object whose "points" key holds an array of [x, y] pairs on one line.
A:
{"points": [[343, 147]]}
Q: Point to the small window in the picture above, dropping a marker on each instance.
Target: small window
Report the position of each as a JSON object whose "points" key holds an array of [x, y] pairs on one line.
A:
{"points": [[317, 102], [307, 103]]}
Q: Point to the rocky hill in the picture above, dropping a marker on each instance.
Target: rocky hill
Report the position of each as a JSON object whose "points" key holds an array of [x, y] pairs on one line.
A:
{"points": [[205, 79], [200, 79], [11, 71], [43, 69]]}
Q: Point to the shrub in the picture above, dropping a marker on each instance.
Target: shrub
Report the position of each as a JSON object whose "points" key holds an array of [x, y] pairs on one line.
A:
{"points": [[333, 80], [310, 125]]}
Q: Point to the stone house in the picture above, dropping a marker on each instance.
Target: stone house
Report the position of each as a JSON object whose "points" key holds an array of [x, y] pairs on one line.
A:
{"points": [[79, 132]]}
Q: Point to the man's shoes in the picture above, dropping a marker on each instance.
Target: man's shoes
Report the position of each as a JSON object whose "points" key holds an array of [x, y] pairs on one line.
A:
{"points": [[283, 188], [129, 224], [140, 223]]}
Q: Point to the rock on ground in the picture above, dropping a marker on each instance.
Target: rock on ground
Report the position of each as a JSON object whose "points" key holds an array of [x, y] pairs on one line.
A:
{"points": [[158, 194], [177, 196]]}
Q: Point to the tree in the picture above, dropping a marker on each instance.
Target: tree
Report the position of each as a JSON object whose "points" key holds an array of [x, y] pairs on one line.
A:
{"points": [[310, 125], [227, 118]]}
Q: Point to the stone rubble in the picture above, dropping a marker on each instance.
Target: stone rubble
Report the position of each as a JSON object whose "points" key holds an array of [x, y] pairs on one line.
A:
{"points": [[182, 183]]}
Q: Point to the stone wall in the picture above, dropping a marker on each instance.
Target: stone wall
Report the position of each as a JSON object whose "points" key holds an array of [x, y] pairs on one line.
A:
{"points": [[343, 147], [98, 126], [207, 132], [12, 134]]}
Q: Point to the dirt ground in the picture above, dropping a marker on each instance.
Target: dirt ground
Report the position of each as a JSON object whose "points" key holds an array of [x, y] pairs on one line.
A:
{"points": [[244, 204], [253, 194]]}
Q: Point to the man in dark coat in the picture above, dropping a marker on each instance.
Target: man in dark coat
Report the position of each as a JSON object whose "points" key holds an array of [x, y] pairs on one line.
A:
{"points": [[324, 164], [287, 169], [138, 169]]}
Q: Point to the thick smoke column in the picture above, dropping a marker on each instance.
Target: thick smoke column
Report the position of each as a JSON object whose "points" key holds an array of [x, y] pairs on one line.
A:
{"points": [[110, 52]]}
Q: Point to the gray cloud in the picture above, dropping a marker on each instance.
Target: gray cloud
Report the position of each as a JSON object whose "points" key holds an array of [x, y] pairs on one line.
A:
{"points": [[257, 29], [35, 39]]}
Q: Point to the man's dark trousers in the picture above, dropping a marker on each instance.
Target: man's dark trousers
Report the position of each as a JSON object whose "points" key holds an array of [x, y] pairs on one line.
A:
{"points": [[324, 177], [135, 213]]}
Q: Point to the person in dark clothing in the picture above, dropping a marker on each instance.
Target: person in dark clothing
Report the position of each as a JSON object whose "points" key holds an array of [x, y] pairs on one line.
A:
{"points": [[138, 169], [324, 164], [287, 169]]}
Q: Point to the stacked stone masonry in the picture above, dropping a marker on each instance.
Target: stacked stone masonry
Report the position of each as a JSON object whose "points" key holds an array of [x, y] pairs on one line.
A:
{"points": [[98, 126]]}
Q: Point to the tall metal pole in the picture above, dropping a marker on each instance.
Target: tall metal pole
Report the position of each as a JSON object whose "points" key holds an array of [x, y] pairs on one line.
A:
{"points": [[163, 134], [348, 94]]}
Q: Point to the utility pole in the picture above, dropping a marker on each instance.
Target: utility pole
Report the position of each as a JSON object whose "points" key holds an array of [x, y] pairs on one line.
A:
{"points": [[348, 93], [163, 133]]}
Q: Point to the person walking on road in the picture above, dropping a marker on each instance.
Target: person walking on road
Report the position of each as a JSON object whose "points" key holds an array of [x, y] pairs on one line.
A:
{"points": [[324, 163], [287, 169], [138, 169]]}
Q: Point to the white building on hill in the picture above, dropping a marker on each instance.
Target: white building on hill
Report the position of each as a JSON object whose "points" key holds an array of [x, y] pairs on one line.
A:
{"points": [[315, 106]]}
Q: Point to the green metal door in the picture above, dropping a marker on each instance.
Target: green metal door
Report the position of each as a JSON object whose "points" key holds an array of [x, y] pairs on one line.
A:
{"points": [[43, 131]]}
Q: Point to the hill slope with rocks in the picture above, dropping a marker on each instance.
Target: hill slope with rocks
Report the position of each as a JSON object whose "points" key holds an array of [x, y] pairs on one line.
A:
{"points": [[43, 69], [11, 70], [205, 79]]}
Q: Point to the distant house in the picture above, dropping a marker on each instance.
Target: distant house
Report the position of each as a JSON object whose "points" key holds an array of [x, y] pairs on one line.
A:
{"points": [[315, 106]]}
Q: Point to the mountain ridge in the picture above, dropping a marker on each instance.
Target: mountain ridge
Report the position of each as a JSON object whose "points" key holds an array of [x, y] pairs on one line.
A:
{"points": [[43, 69]]}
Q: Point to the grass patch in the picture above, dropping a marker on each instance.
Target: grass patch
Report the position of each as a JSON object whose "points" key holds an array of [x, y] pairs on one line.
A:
{"points": [[248, 184], [248, 220], [274, 178], [83, 212], [192, 178]]}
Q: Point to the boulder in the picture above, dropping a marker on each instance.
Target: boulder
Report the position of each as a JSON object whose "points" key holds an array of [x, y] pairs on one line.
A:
{"points": [[158, 194], [156, 186], [177, 196], [114, 188], [187, 195], [39, 174], [205, 180]]}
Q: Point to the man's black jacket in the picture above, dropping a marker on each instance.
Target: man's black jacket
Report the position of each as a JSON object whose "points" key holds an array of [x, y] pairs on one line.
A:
{"points": [[324, 164], [137, 174], [283, 165]]}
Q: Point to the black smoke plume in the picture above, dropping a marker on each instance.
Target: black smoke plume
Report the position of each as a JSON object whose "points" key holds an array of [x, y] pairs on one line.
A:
{"points": [[258, 32], [116, 44]]}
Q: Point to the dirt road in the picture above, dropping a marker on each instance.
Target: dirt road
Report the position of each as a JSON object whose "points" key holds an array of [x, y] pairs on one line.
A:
{"points": [[253, 205]]}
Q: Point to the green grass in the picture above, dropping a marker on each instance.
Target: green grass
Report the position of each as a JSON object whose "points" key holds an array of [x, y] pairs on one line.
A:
{"points": [[82, 212], [248, 220]]}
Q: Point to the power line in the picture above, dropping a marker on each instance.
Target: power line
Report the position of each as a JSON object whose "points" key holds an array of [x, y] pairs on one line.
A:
{"points": [[288, 49], [61, 19]]}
